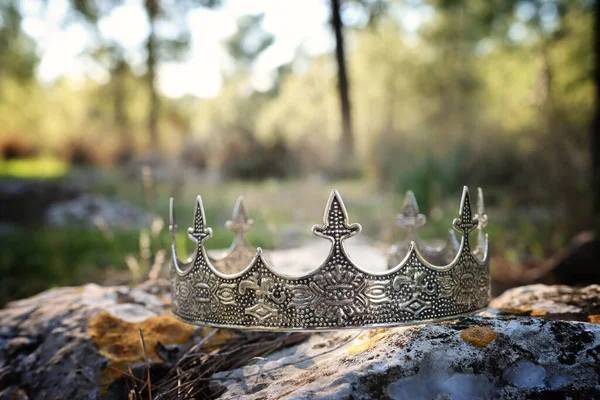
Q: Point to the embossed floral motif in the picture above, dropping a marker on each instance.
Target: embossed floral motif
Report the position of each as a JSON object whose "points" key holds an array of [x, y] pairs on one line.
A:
{"points": [[264, 287], [268, 294], [468, 284], [203, 298], [335, 294], [415, 281], [181, 291]]}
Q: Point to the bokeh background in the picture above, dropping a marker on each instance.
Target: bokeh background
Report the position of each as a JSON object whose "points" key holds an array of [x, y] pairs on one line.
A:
{"points": [[108, 108]]}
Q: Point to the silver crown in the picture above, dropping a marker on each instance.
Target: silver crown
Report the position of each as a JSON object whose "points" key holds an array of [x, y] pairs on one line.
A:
{"points": [[236, 291]]}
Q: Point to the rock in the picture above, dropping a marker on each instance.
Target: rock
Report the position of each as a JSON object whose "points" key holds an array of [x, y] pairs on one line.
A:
{"points": [[24, 201], [66, 343], [75, 343], [528, 357], [557, 302], [91, 211], [494, 355]]}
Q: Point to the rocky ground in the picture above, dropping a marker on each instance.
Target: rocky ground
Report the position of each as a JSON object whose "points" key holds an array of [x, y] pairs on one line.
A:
{"points": [[56, 203], [534, 341]]}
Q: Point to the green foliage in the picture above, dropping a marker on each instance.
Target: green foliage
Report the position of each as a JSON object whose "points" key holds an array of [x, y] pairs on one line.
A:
{"points": [[45, 167], [17, 51], [33, 261], [250, 39], [246, 158]]}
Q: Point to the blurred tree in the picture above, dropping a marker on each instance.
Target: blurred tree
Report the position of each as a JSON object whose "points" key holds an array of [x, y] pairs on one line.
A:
{"points": [[373, 10], [346, 149], [168, 39], [238, 105], [165, 44], [17, 50], [555, 34], [111, 55], [249, 41]]}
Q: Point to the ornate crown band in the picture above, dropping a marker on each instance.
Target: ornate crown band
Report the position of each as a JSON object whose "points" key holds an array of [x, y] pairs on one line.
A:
{"points": [[228, 292]]}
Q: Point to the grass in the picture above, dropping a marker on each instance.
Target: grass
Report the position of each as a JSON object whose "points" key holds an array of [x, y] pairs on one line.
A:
{"points": [[32, 261], [39, 168]]}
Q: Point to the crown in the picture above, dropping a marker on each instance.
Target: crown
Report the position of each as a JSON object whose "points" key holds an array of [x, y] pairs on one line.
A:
{"points": [[240, 289]]}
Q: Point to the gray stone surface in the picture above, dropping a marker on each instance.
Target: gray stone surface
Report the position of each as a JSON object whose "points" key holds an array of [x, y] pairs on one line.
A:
{"points": [[46, 350], [92, 211], [529, 356]]}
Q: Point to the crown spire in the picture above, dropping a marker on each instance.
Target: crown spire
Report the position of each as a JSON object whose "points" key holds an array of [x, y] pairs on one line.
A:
{"points": [[410, 218], [466, 222], [199, 233], [335, 219], [239, 223]]}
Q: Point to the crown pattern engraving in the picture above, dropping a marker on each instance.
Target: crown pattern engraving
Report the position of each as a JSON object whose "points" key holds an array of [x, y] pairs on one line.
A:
{"points": [[338, 293]]}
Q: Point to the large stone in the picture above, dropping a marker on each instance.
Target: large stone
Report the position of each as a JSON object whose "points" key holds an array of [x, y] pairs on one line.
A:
{"points": [[472, 358], [92, 211], [73, 342], [503, 353], [62, 343]]}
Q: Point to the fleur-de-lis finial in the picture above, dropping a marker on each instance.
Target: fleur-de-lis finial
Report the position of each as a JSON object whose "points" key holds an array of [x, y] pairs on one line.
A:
{"points": [[199, 232], [239, 223], [410, 218], [335, 226], [466, 222]]}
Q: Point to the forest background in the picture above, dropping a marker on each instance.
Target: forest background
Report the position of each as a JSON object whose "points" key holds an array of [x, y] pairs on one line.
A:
{"points": [[138, 100]]}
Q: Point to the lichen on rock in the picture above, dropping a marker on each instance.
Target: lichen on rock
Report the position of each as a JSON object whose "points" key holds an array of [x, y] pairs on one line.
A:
{"points": [[479, 336], [120, 341], [63, 343]]}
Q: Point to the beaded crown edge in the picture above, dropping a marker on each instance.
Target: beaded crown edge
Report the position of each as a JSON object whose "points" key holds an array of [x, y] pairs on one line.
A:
{"points": [[337, 294]]}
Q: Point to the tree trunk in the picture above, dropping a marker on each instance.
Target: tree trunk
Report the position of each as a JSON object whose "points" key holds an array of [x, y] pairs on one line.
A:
{"points": [[121, 120], [152, 12], [595, 139], [120, 114], [347, 139]]}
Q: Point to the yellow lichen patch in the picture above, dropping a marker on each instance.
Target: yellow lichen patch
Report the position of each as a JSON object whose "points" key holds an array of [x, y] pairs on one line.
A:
{"points": [[594, 318], [479, 336], [514, 311], [367, 340], [119, 340], [538, 313], [523, 311]]}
